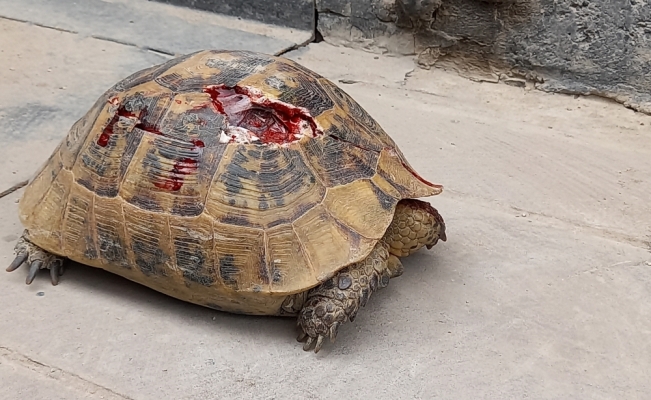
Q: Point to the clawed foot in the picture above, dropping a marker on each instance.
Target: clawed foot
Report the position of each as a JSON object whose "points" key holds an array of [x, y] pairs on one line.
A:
{"points": [[37, 259], [320, 318], [338, 300]]}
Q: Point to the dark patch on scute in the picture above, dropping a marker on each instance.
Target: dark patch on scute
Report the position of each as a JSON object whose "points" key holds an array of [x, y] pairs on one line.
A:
{"points": [[187, 208], [231, 202], [235, 172], [276, 83], [228, 270], [302, 209], [91, 251], [401, 189], [387, 202], [262, 203], [191, 260], [277, 222], [149, 258], [107, 191], [263, 272], [146, 203], [254, 153], [111, 248], [238, 220], [354, 238], [277, 275], [86, 183]]}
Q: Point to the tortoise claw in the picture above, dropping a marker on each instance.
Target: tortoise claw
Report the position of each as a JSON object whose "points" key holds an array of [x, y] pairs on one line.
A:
{"points": [[333, 331], [17, 262], [33, 269], [37, 259], [308, 343], [55, 273], [319, 343]]}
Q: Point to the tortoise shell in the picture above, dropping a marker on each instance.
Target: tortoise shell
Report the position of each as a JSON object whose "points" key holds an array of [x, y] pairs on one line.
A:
{"points": [[220, 176]]}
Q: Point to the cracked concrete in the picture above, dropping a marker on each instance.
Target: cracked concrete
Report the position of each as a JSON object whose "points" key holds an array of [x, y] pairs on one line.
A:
{"points": [[541, 291], [25, 378]]}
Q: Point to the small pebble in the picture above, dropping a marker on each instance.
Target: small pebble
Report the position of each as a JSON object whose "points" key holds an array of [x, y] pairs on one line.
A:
{"points": [[40, 294]]}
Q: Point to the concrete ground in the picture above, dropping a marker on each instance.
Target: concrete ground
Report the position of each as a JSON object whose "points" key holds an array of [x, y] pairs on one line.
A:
{"points": [[542, 290]]}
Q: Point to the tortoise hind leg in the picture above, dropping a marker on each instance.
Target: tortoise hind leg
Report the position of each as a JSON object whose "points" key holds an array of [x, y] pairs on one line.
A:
{"points": [[337, 300], [37, 259], [416, 224]]}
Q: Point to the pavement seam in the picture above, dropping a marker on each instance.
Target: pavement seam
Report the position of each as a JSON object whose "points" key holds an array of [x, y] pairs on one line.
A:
{"points": [[37, 24], [56, 373], [97, 37]]}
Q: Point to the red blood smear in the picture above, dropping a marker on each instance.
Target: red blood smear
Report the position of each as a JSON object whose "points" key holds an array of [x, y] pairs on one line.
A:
{"points": [[420, 178], [147, 127], [182, 167], [106, 134], [272, 122]]}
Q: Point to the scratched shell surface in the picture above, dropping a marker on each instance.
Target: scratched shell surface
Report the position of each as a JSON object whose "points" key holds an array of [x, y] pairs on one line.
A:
{"points": [[143, 187]]}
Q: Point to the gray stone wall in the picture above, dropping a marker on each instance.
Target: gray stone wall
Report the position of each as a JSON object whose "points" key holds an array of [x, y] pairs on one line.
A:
{"points": [[598, 47], [297, 14]]}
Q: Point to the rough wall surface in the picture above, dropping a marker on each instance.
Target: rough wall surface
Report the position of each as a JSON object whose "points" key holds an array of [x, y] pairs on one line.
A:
{"points": [[297, 14], [600, 47]]}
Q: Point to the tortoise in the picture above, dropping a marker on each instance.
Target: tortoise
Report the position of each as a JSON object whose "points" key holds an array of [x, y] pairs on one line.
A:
{"points": [[234, 180]]}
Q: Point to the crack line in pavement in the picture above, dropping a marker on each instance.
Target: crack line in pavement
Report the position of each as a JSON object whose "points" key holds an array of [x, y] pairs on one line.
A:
{"points": [[294, 47], [104, 38], [48, 371], [13, 188], [37, 24]]}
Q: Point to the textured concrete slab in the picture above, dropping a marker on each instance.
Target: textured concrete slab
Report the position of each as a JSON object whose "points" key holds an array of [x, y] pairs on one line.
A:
{"points": [[540, 292], [160, 27]]}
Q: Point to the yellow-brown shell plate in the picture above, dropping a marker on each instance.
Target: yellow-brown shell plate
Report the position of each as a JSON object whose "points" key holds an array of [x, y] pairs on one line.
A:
{"points": [[142, 187]]}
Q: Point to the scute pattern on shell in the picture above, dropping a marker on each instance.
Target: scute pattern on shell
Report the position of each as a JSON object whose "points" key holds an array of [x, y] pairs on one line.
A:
{"points": [[143, 187]]}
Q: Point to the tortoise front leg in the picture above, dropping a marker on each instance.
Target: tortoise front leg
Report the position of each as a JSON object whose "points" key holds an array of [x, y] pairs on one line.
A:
{"points": [[337, 300], [37, 259]]}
